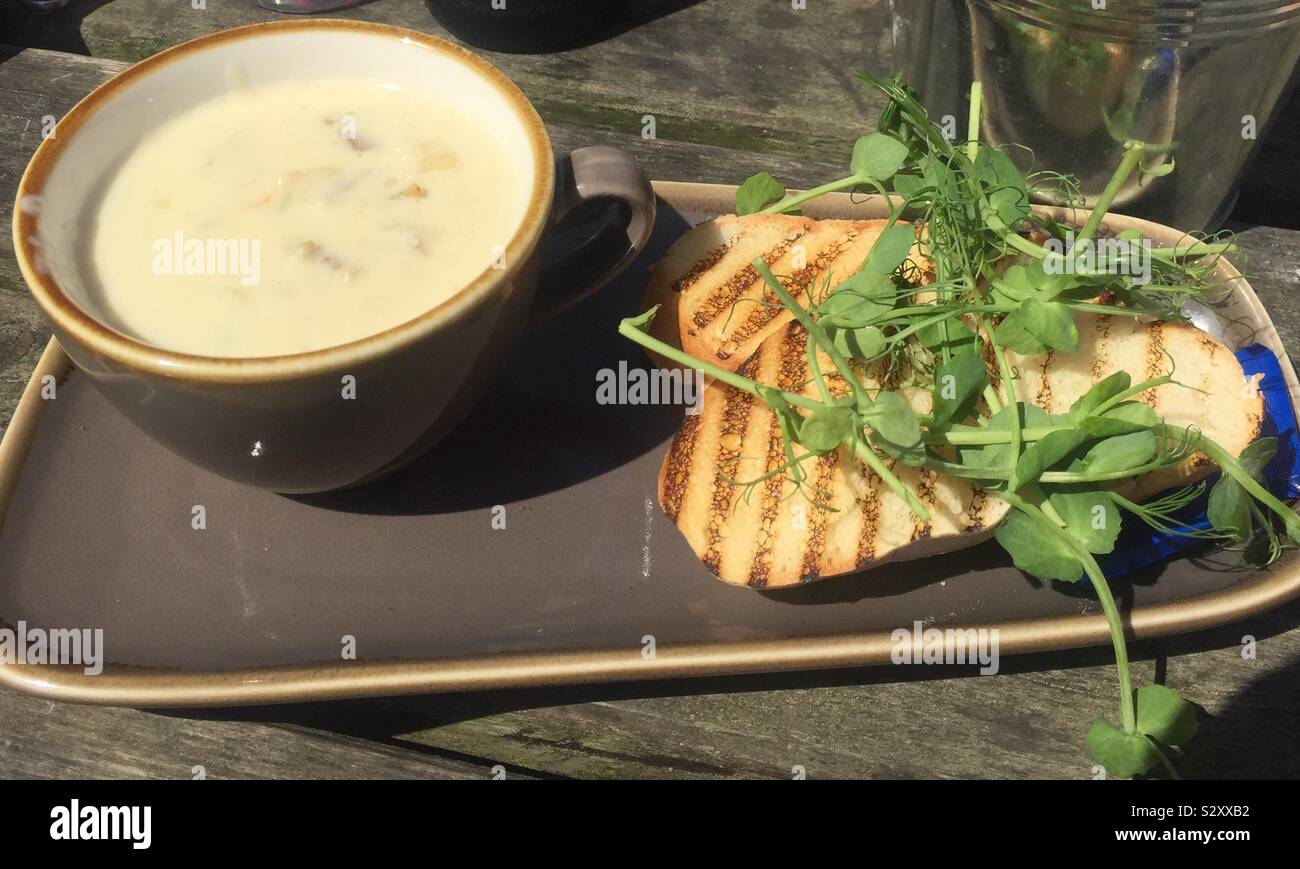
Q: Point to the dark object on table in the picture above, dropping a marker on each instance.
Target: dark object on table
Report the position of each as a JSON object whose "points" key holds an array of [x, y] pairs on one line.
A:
{"points": [[309, 7], [44, 7], [523, 25]]}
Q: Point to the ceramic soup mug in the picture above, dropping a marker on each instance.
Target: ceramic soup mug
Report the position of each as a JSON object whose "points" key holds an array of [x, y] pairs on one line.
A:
{"points": [[283, 422]]}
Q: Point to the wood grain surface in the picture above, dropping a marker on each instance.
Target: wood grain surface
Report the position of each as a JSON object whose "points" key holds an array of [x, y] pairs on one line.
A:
{"points": [[774, 95]]}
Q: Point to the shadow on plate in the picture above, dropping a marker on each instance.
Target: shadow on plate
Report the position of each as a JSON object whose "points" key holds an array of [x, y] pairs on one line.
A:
{"points": [[514, 446], [539, 428], [895, 578]]}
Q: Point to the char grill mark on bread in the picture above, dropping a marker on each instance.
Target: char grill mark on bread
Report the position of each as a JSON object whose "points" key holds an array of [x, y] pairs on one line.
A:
{"points": [[1224, 405], [677, 466], [733, 427], [760, 541], [800, 282], [714, 305], [792, 372], [1157, 362], [723, 296], [870, 509], [775, 536]]}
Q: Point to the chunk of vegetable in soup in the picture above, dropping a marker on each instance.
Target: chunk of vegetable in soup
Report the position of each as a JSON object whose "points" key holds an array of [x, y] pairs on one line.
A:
{"points": [[291, 217]]}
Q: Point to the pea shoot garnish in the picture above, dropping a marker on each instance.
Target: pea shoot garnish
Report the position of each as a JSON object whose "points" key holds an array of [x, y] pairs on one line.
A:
{"points": [[1001, 281]]}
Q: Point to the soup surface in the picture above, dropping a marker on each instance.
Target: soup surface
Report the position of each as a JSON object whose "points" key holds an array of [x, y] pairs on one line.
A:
{"points": [[300, 215]]}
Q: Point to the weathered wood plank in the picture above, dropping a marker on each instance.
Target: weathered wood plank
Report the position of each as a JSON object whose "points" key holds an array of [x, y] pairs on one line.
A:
{"points": [[40, 739], [878, 723], [1028, 721], [760, 76], [1270, 260], [765, 77]]}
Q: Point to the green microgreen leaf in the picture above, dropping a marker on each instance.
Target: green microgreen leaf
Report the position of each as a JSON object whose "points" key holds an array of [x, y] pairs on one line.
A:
{"points": [[1014, 334], [1101, 392], [1090, 516], [908, 186], [1256, 456], [1162, 718], [1124, 755], [950, 336], [877, 156], [1004, 184], [1117, 453], [958, 382], [860, 300], [827, 428], [890, 250], [998, 455], [1161, 713], [1229, 507], [1042, 454], [1013, 285], [1123, 418], [1050, 323], [895, 427], [1039, 555], [758, 192], [1048, 284], [941, 179], [1158, 171], [866, 342]]}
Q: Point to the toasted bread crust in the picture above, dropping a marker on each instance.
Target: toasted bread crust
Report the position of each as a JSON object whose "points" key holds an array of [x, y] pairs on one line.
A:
{"points": [[714, 305], [771, 535], [1221, 402], [847, 520]]}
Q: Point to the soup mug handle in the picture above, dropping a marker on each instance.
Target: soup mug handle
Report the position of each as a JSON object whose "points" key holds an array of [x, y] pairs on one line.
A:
{"points": [[587, 175]]}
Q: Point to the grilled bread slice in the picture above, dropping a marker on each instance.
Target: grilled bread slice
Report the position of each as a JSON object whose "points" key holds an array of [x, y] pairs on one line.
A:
{"points": [[769, 535], [1212, 394], [714, 305]]}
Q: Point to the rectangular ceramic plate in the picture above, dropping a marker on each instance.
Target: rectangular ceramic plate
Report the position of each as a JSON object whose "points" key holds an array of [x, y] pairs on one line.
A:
{"points": [[255, 607]]}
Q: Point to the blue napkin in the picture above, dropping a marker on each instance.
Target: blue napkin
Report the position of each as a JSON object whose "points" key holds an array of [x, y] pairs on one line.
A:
{"points": [[1139, 545]]}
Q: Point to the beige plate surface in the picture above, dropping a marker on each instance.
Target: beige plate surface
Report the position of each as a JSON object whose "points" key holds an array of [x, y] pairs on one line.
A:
{"points": [[154, 686]]}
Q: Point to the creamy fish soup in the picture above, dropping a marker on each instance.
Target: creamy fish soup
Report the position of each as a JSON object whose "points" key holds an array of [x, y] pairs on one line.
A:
{"points": [[296, 216]]}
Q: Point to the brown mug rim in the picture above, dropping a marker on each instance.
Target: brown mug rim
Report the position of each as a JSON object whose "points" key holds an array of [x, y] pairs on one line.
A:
{"points": [[139, 355]]}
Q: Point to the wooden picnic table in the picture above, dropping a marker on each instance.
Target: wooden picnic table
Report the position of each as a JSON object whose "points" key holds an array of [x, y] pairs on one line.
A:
{"points": [[735, 87]]}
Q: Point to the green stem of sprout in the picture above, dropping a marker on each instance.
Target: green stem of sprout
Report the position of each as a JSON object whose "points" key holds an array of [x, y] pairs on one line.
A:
{"points": [[1228, 463], [814, 330], [868, 456], [630, 329], [1133, 152], [973, 121], [794, 200], [1127, 708]]}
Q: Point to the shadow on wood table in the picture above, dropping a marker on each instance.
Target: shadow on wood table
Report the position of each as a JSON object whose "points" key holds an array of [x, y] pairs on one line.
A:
{"points": [[63, 31], [60, 31], [550, 25], [1255, 736]]}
